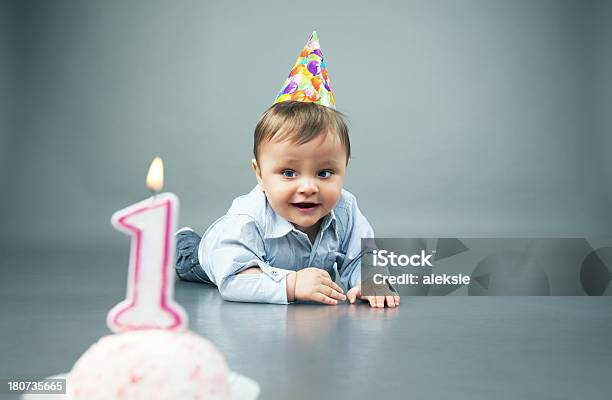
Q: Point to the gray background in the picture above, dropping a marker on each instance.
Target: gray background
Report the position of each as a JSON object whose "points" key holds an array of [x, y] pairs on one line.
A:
{"points": [[467, 117]]}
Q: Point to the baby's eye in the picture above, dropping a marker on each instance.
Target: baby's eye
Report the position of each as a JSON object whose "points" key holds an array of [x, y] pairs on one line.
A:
{"points": [[288, 173], [325, 173]]}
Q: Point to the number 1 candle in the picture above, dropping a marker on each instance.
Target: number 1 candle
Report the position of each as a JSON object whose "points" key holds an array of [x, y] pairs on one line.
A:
{"points": [[149, 303]]}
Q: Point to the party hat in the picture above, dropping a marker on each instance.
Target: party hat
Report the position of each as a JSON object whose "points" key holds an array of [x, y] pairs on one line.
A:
{"points": [[308, 80]]}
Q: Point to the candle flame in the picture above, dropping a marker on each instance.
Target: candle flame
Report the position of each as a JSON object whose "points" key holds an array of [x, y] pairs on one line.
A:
{"points": [[155, 177]]}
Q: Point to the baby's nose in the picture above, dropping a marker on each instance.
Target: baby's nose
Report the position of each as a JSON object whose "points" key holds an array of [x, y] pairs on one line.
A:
{"points": [[308, 186]]}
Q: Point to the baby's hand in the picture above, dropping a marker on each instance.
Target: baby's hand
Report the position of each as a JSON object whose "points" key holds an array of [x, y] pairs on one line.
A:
{"points": [[314, 284], [375, 301]]}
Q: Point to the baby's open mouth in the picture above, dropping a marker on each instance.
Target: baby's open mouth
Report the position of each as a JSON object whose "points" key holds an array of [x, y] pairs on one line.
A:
{"points": [[305, 206]]}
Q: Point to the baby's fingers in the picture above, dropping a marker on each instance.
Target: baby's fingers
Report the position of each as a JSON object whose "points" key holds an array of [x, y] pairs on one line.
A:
{"points": [[376, 301], [328, 291], [370, 299], [321, 298], [379, 301], [338, 288], [354, 294], [333, 285]]}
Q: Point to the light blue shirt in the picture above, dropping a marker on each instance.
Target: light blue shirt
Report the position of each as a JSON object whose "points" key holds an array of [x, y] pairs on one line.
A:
{"points": [[252, 234]]}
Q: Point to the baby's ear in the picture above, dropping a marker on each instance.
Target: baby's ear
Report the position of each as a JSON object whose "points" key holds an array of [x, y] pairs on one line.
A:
{"points": [[257, 171]]}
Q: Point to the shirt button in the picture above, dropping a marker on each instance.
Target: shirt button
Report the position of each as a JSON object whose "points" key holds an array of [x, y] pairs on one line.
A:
{"points": [[274, 273]]}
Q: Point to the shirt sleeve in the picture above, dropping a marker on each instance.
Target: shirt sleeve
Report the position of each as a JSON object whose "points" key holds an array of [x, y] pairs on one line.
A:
{"points": [[357, 227], [233, 244]]}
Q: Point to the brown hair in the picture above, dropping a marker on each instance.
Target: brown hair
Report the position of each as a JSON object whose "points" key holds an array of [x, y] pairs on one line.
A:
{"points": [[300, 122]]}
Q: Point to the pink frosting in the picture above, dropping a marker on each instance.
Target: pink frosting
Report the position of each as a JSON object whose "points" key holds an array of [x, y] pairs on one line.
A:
{"points": [[150, 364]]}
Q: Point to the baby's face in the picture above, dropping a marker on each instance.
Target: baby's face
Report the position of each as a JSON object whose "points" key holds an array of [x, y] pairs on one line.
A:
{"points": [[302, 182]]}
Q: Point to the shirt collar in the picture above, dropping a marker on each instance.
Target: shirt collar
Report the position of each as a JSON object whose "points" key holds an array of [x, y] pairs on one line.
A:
{"points": [[277, 226]]}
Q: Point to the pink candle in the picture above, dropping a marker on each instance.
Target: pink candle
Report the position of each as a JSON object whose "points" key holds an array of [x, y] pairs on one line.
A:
{"points": [[151, 223]]}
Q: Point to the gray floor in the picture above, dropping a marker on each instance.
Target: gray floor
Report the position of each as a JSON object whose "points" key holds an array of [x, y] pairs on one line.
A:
{"points": [[53, 306]]}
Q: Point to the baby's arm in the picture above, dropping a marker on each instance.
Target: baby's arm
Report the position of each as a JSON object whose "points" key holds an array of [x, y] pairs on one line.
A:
{"points": [[232, 245], [233, 251], [309, 284]]}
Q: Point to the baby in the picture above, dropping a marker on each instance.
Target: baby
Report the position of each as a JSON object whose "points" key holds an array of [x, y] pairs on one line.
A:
{"points": [[288, 238]]}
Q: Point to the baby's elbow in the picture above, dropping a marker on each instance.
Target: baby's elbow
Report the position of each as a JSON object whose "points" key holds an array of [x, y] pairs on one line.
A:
{"points": [[230, 290], [226, 293], [226, 297]]}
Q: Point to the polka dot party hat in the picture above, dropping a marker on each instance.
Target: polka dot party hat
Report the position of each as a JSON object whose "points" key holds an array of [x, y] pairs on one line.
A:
{"points": [[308, 80]]}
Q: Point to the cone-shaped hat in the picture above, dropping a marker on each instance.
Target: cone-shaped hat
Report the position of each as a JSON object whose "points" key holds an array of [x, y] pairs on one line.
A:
{"points": [[308, 80]]}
